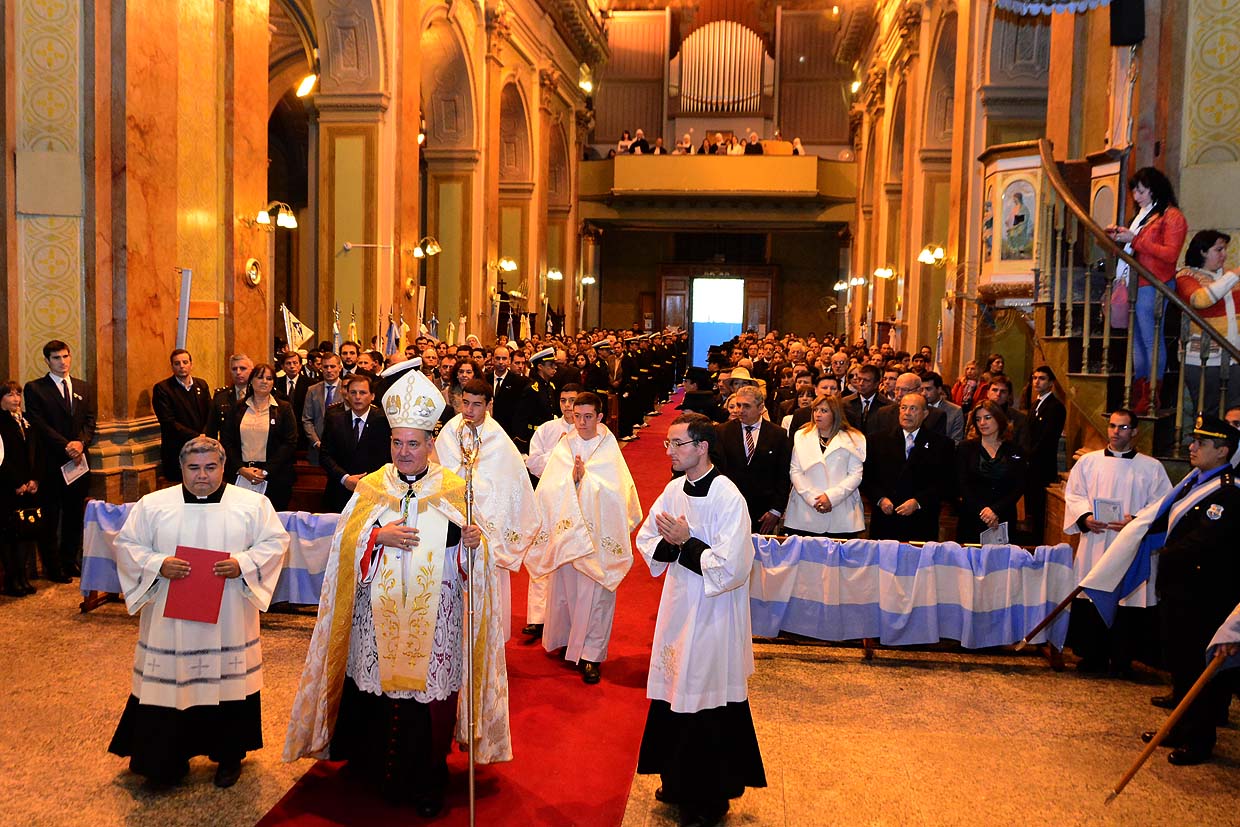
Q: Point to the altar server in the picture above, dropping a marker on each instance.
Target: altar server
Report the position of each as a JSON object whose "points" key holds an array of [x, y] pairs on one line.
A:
{"points": [[589, 507], [505, 498], [699, 733], [196, 684], [545, 438], [1116, 474], [386, 664]]}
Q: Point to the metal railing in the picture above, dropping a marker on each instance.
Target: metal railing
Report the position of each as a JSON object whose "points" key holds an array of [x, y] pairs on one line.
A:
{"points": [[1059, 266]]}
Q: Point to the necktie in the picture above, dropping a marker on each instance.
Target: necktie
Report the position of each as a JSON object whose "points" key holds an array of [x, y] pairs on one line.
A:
{"points": [[331, 391], [865, 410], [357, 430], [749, 442], [64, 386], [908, 445]]}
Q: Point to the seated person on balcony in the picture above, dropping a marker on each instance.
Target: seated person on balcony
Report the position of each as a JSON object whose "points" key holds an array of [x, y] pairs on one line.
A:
{"points": [[797, 149], [658, 148], [707, 148], [718, 147], [1214, 294], [626, 139], [640, 145], [754, 145], [1154, 237], [684, 146]]}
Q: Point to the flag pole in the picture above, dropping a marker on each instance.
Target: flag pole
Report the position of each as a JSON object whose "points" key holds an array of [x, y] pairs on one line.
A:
{"points": [[1046, 621], [1172, 720]]}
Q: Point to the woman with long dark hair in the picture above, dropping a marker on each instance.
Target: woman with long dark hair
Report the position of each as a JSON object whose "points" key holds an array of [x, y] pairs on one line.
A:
{"points": [[1155, 238], [990, 474], [260, 439], [18, 485]]}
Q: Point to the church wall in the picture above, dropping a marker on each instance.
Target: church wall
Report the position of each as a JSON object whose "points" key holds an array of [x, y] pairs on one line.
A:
{"points": [[1210, 132], [47, 50]]}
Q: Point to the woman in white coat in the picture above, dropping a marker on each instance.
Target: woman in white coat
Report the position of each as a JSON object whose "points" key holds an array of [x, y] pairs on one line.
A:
{"points": [[828, 455]]}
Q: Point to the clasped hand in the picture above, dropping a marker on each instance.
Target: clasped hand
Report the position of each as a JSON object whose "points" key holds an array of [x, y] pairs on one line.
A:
{"points": [[673, 529], [579, 470], [397, 535], [175, 568]]}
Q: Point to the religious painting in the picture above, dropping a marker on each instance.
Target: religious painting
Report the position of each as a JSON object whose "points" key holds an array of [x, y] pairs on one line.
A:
{"points": [[988, 223], [1018, 210]]}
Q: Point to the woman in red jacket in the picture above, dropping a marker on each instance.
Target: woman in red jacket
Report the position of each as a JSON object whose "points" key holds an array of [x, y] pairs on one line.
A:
{"points": [[1155, 237]]}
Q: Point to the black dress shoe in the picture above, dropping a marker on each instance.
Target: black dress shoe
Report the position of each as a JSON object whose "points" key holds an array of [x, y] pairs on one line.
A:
{"points": [[428, 807], [1149, 734], [589, 672], [227, 773], [1163, 701], [1187, 757], [532, 630], [659, 795]]}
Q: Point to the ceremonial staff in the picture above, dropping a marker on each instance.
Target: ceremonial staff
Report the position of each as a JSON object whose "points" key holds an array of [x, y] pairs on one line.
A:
{"points": [[471, 444], [1172, 719]]}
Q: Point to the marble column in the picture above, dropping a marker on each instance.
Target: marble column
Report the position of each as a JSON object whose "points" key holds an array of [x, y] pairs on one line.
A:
{"points": [[497, 26], [407, 222]]}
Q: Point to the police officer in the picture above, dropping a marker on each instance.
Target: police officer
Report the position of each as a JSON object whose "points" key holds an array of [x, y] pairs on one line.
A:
{"points": [[1198, 582]]}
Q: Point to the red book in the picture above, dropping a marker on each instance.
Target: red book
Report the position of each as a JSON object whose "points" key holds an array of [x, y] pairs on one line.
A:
{"points": [[197, 597]]}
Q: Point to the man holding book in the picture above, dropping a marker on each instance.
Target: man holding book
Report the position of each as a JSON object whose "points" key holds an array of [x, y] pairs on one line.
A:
{"points": [[200, 560]]}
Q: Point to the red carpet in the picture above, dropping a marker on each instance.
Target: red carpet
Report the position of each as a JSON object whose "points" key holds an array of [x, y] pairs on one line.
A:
{"points": [[574, 746]]}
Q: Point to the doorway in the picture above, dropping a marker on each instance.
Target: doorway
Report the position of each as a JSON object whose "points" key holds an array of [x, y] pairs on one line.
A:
{"points": [[717, 313]]}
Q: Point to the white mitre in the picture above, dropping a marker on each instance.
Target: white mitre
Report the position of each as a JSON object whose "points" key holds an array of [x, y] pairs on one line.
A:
{"points": [[412, 401]]}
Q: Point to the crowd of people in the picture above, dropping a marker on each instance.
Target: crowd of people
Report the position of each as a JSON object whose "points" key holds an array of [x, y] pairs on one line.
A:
{"points": [[779, 435], [636, 143]]}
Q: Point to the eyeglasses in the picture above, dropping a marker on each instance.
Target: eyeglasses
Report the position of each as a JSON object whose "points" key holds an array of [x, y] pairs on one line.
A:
{"points": [[679, 443]]}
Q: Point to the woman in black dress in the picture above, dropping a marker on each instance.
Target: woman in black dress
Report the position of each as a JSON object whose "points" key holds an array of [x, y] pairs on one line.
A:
{"points": [[18, 486], [260, 439], [990, 472]]}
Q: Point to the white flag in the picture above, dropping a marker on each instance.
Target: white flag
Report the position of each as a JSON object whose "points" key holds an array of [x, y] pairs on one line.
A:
{"points": [[296, 332]]}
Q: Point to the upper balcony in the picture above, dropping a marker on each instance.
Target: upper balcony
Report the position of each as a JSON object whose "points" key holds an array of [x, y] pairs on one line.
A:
{"points": [[750, 190]]}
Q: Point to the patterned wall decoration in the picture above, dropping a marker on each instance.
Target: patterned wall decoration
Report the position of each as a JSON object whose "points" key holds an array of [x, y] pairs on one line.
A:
{"points": [[48, 57], [1212, 97]]}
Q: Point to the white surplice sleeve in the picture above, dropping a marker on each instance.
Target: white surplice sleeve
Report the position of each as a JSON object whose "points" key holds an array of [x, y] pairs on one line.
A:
{"points": [[137, 562], [262, 561]]}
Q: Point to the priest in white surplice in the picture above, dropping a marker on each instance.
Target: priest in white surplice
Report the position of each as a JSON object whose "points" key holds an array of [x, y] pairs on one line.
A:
{"points": [[699, 733], [502, 489], [1134, 480], [542, 443], [196, 685], [386, 664], [589, 508]]}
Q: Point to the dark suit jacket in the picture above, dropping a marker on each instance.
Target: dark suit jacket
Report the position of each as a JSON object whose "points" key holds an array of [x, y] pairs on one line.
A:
{"points": [[20, 465], [298, 399], [765, 480], [925, 476], [183, 414], [507, 395], [852, 410], [56, 425], [222, 403], [1045, 428], [281, 447], [887, 418], [340, 457], [1000, 494]]}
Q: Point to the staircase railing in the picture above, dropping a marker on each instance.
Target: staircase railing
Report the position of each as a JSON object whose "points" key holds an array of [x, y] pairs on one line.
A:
{"points": [[1059, 262]]}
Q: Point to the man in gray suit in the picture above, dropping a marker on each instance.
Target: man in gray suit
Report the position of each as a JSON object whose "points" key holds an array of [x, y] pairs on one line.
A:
{"points": [[319, 397], [932, 389]]}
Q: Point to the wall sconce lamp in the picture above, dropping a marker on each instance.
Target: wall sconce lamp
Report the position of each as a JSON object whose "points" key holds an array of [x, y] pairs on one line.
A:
{"points": [[840, 286], [554, 274], [585, 79], [884, 273], [307, 85], [284, 217], [856, 281], [506, 265], [932, 254], [428, 246], [421, 129], [587, 279], [856, 87]]}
